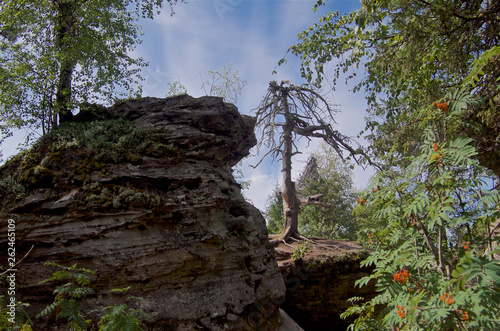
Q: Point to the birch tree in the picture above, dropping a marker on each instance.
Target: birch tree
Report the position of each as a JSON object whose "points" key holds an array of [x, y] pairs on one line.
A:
{"points": [[55, 54]]}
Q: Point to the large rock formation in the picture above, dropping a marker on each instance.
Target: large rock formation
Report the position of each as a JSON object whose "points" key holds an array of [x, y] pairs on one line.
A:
{"points": [[143, 194], [319, 284]]}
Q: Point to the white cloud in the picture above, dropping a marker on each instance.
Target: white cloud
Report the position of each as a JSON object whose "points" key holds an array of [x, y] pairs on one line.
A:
{"points": [[206, 35], [260, 190]]}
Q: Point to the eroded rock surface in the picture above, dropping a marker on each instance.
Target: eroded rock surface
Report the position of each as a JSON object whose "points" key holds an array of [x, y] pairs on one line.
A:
{"points": [[320, 284], [144, 195]]}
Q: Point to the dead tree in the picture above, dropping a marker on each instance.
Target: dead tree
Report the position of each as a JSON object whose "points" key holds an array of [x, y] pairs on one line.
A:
{"points": [[287, 113]]}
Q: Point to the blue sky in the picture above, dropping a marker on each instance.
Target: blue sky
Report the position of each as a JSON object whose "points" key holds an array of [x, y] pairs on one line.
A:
{"points": [[209, 34]]}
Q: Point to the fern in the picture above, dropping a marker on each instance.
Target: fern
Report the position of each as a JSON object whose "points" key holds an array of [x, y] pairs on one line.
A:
{"points": [[122, 317], [65, 304]]}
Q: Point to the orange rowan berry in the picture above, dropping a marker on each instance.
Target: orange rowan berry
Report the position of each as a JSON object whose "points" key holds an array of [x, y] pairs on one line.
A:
{"points": [[465, 316], [401, 276], [448, 298], [401, 312], [443, 106], [436, 147]]}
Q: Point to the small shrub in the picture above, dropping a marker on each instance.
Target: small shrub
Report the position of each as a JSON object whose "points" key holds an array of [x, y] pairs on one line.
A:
{"points": [[65, 304], [122, 317], [300, 252]]}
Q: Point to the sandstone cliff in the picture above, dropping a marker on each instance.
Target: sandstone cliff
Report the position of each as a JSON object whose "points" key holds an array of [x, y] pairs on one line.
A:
{"points": [[319, 284], [143, 194]]}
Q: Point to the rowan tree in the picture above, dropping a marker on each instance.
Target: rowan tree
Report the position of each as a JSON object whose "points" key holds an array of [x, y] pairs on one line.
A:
{"points": [[406, 55], [431, 81]]}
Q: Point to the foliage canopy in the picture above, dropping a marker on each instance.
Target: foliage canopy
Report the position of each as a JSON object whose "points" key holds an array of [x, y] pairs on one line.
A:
{"points": [[412, 53], [56, 54], [431, 73]]}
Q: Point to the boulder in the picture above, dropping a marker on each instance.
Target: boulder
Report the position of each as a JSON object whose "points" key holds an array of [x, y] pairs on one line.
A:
{"points": [[143, 194]]}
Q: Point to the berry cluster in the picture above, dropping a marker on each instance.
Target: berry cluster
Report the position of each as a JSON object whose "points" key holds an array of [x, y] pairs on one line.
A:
{"points": [[436, 147], [361, 201], [401, 276], [443, 106], [401, 312], [466, 247], [448, 298], [416, 285], [371, 235]]}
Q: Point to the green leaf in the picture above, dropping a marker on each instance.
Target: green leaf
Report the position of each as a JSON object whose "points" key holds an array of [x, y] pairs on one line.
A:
{"points": [[492, 269]]}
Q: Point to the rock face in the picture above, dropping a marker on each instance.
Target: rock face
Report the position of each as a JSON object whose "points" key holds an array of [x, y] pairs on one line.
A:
{"points": [[144, 196], [319, 285]]}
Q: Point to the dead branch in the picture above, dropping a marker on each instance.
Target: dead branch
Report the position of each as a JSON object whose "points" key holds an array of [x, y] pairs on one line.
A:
{"points": [[314, 200], [21, 260], [276, 149]]}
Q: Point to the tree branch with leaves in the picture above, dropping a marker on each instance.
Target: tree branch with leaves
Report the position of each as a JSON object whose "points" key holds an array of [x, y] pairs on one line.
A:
{"points": [[57, 54]]}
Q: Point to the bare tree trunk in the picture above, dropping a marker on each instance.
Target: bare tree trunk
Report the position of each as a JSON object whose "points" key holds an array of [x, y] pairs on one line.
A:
{"points": [[306, 119], [289, 193]]}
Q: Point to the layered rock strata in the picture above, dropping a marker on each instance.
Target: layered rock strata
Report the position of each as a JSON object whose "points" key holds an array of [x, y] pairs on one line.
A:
{"points": [[143, 194], [318, 287]]}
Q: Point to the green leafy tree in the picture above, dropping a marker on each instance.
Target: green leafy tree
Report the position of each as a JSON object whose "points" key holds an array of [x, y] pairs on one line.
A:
{"points": [[433, 256], [411, 53], [225, 83], [176, 88], [327, 175], [55, 54], [431, 80], [275, 211]]}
